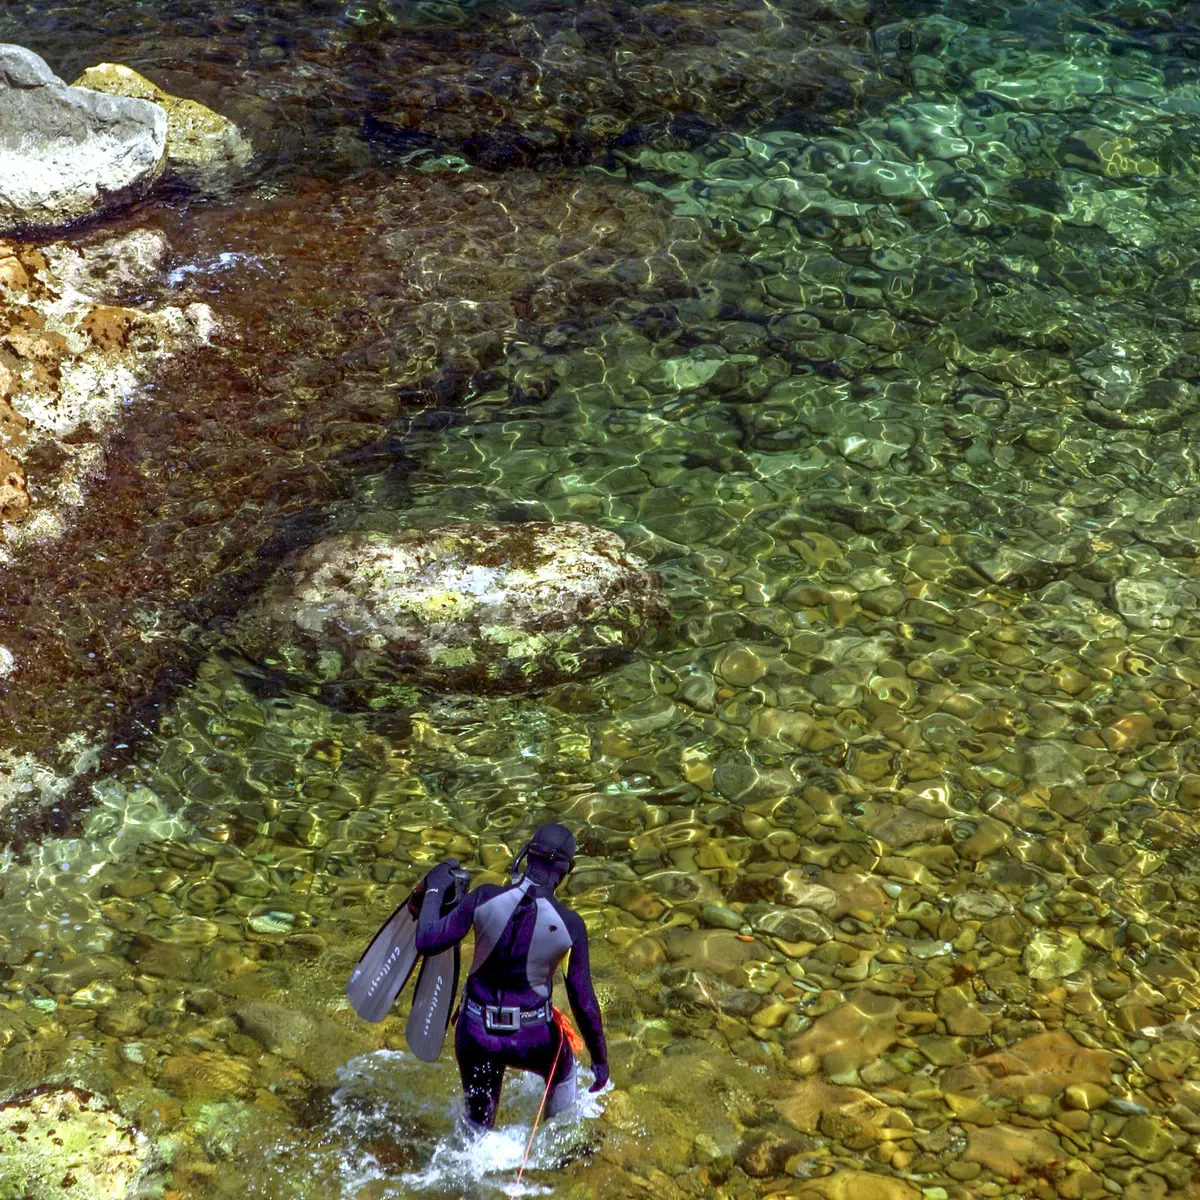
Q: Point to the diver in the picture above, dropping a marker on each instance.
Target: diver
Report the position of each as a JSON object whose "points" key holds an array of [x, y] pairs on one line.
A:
{"points": [[506, 1019]]}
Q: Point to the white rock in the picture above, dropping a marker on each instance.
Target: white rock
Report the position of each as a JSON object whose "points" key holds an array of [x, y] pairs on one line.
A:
{"points": [[67, 153]]}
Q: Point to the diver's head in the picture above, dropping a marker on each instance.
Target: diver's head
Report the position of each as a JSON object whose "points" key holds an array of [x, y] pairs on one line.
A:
{"points": [[550, 854]]}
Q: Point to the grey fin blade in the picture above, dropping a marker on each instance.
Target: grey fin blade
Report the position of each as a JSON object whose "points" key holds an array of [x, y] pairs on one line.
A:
{"points": [[386, 965], [437, 987]]}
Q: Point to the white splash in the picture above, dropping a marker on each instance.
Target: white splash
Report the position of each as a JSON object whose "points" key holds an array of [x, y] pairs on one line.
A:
{"points": [[227, 260], [390, 1094]]}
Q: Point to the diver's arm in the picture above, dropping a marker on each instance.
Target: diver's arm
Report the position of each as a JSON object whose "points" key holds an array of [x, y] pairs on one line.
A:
{"points": [[436, 933], [580, 992]]}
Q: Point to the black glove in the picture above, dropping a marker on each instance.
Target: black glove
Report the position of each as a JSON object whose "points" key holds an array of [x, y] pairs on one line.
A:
{"points": [[600, 1070], [442, 876]]}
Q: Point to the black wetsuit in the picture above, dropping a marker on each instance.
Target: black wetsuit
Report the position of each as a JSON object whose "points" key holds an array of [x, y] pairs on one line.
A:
{"points": [[510, 984]]}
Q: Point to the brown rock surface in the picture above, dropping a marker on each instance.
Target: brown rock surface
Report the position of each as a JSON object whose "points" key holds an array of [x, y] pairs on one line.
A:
{"points": [[1040, 1065], [14, 496], [853, 1034], [66, 368], [1015, 1152], [848, 1184]]}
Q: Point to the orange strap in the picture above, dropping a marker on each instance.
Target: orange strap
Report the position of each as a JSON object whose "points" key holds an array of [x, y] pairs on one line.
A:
{"points": [[562, 1041], [568, 1030]]}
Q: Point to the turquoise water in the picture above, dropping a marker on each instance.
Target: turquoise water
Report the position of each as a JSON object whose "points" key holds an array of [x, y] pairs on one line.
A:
{"points": [[872, 328]]}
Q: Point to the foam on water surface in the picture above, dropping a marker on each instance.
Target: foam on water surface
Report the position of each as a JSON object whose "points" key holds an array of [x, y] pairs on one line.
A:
{"points": [[398, 1124]]}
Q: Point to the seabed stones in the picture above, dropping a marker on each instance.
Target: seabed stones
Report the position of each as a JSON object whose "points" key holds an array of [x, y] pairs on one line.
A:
{"points": [[468, 607], [911, 800]]}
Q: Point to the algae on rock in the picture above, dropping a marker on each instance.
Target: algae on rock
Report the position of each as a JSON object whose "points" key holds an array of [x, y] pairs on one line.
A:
{"points": [[472, 607], [63, 1143]]}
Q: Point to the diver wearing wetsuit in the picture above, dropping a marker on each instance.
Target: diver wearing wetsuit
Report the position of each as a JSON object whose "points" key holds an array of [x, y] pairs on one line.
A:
{"points": [[506, 1019]]}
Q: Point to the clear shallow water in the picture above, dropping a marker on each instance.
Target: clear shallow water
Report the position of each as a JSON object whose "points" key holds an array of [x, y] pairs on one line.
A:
{"points": [[896, 831]]}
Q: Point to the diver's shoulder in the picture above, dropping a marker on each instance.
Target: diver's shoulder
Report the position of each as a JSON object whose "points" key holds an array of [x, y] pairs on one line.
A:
{"points": [[571, 919], [487, 891]]}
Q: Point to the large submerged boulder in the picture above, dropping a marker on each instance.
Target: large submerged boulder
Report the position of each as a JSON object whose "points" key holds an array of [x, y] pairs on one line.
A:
{"points": [[67, 153], [470, 607]]}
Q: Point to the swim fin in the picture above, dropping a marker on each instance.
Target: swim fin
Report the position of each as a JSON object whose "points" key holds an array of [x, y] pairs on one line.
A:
{"points": [[388, 962], [437, 988]]}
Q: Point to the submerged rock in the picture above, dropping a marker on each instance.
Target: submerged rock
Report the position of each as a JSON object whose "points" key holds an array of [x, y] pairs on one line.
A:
{"points": [[59, 1141], [68, 153], [471, 606], [200, 142], [1148, 602]]}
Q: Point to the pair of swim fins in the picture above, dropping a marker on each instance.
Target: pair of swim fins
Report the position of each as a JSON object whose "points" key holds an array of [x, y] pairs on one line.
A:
{"points": [[388, 963]]}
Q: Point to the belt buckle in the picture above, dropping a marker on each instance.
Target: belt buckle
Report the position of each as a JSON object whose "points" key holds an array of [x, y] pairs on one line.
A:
{"points": [[502, 1018]]}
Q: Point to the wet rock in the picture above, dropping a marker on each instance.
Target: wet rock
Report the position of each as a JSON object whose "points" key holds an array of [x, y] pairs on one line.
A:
{"points": [[806, 1103], [1086, 1096], [721, 916], [113, 268], [716, 950], [1051, 955], [739, 666], [1015, 1153], [791, 924], [58, 1142], [1145, 1138], [989, 835], [979, 906], [847, 1184], [1148, 603], [799, 891], [473, 607], [970, 1110], [1040, 1065], [764, 1153], [963, 1017], [851, 1035], [697, 988], [318, 1044], [68, 153], [1106, 153], [201, 144], [1029, 565], [72, 364], [206, 1075], [122, 1022], [1053, 763]]}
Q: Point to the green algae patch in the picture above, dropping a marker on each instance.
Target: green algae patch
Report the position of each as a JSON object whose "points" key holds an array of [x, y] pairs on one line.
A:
{"points": [[63, 1143], [460, 656]]}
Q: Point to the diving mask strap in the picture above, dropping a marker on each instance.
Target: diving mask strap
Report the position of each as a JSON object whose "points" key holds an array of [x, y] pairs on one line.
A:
{"points": [[522, 854]]}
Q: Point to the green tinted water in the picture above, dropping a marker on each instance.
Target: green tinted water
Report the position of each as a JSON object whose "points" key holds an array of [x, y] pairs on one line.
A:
{"points": [[887, 853]]}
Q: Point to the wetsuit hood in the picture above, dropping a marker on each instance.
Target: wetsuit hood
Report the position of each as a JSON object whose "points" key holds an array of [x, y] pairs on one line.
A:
{"points": [[552, 847]]}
